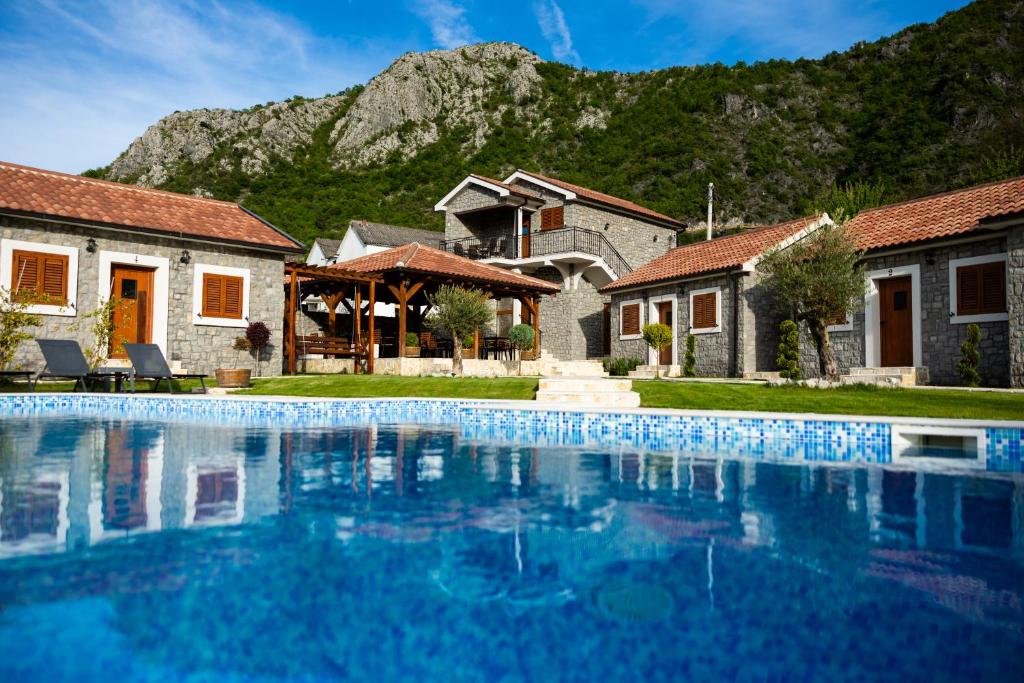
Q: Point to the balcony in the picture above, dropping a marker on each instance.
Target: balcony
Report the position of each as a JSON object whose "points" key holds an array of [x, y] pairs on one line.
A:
{"points": [[564, 245]]}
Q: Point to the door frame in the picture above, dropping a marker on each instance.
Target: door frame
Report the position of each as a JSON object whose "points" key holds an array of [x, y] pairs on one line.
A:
{"points": [[872, 313], [652, 316], [161, 277]]}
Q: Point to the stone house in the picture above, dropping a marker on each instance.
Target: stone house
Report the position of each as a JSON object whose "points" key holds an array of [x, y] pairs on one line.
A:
{"points": [[189, 272], [557, 231], [712, 290], [933, 266], [364, 237]]}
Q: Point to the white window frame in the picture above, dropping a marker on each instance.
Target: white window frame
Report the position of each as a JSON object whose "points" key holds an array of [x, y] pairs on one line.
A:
{"points": [[717, 291], [872, 313], [7, 249], [161, 287], [630, 302], [982, 317], [652, 314], [202, 269], [842, 327]]}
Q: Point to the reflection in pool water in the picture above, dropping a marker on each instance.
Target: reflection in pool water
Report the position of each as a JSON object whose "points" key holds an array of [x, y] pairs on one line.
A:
{"points": [[143, 550]]}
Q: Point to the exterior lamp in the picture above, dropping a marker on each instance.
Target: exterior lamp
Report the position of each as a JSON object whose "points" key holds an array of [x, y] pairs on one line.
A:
{"points": [[90, 245], [185, 256]]}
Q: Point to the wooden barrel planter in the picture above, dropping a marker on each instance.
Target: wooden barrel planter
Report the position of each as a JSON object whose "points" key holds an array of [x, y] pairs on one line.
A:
{"points": [[233, 379]]}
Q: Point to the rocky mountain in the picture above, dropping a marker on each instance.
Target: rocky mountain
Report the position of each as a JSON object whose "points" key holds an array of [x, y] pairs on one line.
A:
{"points": [[932, 107]]}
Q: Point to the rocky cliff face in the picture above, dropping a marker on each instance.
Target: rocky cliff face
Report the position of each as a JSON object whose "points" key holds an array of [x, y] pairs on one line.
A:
{"points": [[930, 108]]}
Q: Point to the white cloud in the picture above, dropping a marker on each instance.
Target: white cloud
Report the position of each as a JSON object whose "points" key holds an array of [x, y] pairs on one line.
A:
{"points": [[447, 22], [552, 24], [82, 79]]}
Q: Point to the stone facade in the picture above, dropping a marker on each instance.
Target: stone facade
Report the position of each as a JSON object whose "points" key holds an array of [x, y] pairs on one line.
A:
{"points": [[1015, 304], [195, 348]]}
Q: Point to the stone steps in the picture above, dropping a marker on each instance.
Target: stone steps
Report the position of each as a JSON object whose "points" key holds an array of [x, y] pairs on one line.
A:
{"points": [[898, 377], [762, 375], [652, 371], [588, 391]]}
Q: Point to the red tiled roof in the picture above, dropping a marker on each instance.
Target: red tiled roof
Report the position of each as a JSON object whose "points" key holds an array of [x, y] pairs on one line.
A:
{"points": [[420, 258], [722, 253], [47, 193], [522, 191], [603, 198], [941, 215]]}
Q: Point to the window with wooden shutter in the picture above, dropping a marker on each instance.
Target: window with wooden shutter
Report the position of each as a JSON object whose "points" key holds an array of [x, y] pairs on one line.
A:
{"points": [[553, 218], [630, 319], [39, 277], [705, 311], [981, 289], [222, 296]]}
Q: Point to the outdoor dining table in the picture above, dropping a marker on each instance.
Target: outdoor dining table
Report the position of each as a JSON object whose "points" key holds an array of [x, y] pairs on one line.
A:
{"points": [[495, 347]]}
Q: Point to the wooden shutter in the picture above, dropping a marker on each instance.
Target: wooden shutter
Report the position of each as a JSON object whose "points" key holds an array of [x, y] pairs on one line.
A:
{"points": [[553, 218], [39, 277], [222, 296], [981, 289], [630, 322], [705, 311]]}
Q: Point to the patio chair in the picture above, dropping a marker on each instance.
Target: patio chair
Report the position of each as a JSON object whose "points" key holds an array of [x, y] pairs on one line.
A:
{"points": [[64, 360], [149, 363]]}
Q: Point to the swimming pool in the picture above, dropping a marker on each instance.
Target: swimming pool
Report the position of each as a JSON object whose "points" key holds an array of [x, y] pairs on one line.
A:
{"points": [[175, 541]]}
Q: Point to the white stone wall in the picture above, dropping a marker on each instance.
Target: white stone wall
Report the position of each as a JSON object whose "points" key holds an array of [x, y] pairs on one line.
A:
{"points": [[196, 348]]}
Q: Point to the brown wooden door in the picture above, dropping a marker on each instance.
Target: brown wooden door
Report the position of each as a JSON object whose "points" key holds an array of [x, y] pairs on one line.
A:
{"points": [[606, 330], [524, 250], [133, 314], [665, 318], [896, 321]]}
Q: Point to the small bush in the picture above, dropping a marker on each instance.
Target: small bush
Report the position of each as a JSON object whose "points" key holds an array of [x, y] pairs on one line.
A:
{"points": [[690, 359], [621, 367], [788, 360], [658, 336], [412, 339], [521, 337], [967, 368], [257, 336]]}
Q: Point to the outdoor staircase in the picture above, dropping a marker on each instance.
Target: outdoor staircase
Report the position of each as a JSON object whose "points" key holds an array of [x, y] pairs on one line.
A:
{"points": [[655, 371], [895, 377], [577, 392]]}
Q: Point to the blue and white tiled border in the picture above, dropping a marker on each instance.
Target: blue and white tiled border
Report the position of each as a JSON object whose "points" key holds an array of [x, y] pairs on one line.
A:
{"points": [[797, 437]]}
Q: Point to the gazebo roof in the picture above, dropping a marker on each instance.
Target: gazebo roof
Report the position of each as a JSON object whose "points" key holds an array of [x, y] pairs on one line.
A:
{"points": [[423, 260]]}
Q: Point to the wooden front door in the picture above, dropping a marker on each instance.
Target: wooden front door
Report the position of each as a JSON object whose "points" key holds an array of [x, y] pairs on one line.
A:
{"points": [[665, 318], [524, 251], [896, 322], [133, 313]]}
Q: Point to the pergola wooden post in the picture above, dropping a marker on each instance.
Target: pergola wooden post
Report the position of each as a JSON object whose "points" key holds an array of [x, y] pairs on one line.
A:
{"points": [[370, 328], [403, 293], [291, 304], [532, 304]]}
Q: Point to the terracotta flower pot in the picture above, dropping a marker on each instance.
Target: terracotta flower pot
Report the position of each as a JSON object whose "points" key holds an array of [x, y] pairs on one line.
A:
{"points": [[233, 379], [412, 352]]}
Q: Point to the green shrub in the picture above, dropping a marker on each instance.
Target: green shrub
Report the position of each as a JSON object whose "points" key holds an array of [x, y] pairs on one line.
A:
{"points": [[788, 360], [14, 319], [520, 338], [690, 359], [658, 336], [970, 359], [621, 367], [412, 339]]}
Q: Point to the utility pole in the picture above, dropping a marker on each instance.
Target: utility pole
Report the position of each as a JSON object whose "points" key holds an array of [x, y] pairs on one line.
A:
{"points": [[711, 200]]}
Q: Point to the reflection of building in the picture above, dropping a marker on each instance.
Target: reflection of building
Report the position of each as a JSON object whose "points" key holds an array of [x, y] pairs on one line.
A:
{"points": [[34, 514]]}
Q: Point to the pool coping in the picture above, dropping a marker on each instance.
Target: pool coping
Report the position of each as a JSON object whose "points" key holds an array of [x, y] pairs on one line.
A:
{"points": [[547, 407]]}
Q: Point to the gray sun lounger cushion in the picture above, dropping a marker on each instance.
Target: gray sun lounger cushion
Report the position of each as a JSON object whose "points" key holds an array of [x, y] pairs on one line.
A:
{"points": [[64, 360], [148, 362]]}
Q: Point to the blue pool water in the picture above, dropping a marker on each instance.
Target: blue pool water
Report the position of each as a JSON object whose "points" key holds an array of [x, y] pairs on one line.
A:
{"points": [[164, 551]]}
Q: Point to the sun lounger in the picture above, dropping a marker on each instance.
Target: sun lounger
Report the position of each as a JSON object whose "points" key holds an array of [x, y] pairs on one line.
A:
{"points": [[149, 363]]}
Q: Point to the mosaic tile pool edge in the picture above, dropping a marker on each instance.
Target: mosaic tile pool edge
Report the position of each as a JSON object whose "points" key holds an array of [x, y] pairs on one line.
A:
{"points": [[789, 438]]}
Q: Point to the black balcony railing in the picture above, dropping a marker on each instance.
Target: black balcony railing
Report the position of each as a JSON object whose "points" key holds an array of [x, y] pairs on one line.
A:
{"points": [[540, 243]]}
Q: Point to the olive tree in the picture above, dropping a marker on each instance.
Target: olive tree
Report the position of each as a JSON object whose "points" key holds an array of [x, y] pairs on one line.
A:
{"points": [[819, 280], [458, 312]]}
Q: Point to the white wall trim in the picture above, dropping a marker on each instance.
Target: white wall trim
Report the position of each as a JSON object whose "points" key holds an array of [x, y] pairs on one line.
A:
{"points": [[161, 287], [973, 261], [842, 327], [7, 247], [630, 302], [872, 332], [197, 295], [526, 177], [824, 219], [470, 180], [718, 311], [652, 315]]}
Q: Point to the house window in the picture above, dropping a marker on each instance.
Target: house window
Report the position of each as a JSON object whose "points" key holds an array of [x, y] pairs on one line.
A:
{"points": [[978, 289], [629, 320], [553, 218], [39, 278], [705, 311], [221, 296]]}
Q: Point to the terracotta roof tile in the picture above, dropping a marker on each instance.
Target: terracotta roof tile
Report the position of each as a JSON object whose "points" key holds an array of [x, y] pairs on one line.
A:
{"points": [[48, 193], [722, 253], [420, 258], [603, 198], [941, 215]]}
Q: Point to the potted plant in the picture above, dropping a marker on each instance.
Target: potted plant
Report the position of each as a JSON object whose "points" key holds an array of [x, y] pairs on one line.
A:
{"points": [[235, 378], [412, 345]]}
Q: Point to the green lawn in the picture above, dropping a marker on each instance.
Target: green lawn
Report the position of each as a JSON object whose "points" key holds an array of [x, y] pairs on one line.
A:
{"points": [[359, 386]]}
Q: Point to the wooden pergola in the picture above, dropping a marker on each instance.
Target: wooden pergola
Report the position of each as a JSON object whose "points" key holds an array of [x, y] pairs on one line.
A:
{"points": [[409, 274], [334, 286]]}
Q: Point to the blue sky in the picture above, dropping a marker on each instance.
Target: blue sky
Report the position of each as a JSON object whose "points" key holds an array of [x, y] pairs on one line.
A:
{"points": [[80, 80]]}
